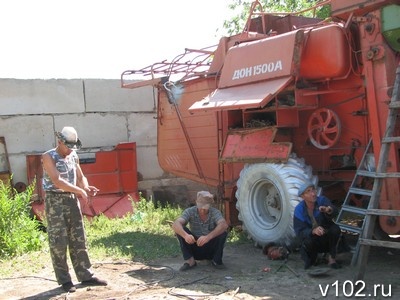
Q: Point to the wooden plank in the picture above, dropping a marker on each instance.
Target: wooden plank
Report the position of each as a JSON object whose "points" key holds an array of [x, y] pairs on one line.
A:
{"points": [[383, 212], [376, 243]]}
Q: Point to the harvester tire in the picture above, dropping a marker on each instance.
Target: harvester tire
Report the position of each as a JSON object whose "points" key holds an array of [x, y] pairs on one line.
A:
{"points": [[266, 197]]}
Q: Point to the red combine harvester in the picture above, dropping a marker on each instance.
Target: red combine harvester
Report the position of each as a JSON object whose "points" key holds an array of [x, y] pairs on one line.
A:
{"points": [[289, 99]]}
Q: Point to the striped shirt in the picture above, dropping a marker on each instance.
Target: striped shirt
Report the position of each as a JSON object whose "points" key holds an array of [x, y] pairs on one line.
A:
{"points": [[196, 225]]}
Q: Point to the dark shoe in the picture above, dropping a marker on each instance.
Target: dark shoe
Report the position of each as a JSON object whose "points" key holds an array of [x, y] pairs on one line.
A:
{"points": [[335, 266], [94, 281], [69, 287], [306, 258], [186, 267], [220, 266]]}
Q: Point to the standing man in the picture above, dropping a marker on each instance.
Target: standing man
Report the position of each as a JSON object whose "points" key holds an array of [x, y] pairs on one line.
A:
{"points": [[62, 181], [207, 234], [314, 225]]}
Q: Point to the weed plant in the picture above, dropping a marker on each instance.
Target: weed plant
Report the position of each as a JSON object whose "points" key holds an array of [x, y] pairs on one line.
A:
{"points": [[18, 229]]}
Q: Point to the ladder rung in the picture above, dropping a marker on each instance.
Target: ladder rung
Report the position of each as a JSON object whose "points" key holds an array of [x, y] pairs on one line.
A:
{"points": [[367, 173], [360, 191], [377, 243], [389, 175], [395, 104], [392, 139], [378, 175], [350, 228], [354, 209], [383, 212]]}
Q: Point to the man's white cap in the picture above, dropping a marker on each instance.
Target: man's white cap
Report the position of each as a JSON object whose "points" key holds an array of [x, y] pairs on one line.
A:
{"points": [[204, 199], [69, 137]]}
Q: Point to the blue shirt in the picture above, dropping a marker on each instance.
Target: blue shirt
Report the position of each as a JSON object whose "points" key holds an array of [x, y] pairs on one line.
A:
{"points": [[302, 223]]}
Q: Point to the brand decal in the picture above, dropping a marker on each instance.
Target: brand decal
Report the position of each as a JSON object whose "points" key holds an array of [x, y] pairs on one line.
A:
{"points": [[257, 70]]}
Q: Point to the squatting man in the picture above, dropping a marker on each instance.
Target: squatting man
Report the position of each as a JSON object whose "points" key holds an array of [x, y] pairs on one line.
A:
{"points": [[205, 238], [314, 225]]}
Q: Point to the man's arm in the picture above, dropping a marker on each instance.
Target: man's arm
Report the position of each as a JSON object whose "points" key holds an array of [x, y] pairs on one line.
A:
{"points": [[177, 227], [221, 227], [301, 228], [83, 183], [50, 167]]}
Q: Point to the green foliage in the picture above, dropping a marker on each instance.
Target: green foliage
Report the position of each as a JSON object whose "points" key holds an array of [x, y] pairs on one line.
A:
{"points": [[242, 8], [144, 235], [18, 229]]}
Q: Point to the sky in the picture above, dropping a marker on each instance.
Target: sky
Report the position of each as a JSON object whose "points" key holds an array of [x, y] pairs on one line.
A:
{"points": [[66, 39]]}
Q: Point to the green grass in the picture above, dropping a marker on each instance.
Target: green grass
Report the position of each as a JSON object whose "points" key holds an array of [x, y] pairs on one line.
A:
{"points": [[143, 236], [18, 230]]}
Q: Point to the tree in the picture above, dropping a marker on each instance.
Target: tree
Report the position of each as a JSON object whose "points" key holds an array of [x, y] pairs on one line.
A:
{"points": [[236, 23]]}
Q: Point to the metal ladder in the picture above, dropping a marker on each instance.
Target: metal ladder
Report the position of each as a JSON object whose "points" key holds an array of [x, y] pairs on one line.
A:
{"points": [[353, 211], [369, 214]]}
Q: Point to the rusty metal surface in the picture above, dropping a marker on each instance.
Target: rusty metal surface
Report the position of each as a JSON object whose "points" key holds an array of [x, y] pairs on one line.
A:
{"points": [[113, 172], [255, 145]]}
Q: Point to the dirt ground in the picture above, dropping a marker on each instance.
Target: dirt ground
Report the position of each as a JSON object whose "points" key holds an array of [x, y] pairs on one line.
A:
{"points": [[246, 277]]}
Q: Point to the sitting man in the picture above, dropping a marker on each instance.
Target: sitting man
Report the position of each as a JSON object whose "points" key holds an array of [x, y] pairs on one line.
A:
{"points": [[314, 225], [207, 234]]}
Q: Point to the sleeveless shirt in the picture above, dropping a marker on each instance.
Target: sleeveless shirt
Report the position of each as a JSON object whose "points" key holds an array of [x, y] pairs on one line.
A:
{"points": [[66, 166]]}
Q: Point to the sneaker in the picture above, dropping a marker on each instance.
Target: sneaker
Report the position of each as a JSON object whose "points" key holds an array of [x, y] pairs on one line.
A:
{"points": [[220, 266], [69, 287], [94, 281]]}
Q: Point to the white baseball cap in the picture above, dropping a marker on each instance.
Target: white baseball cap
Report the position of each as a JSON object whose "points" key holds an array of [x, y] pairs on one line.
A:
{"points": [[69, 137]]}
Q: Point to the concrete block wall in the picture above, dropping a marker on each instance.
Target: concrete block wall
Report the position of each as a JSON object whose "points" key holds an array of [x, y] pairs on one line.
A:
{"points": [[102, 112]]}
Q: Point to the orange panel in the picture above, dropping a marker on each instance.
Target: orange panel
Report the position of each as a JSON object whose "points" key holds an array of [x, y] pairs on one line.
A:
{"points": [[113, 172], [264, 59], [242, 97], [326, 54], [254, 146]]}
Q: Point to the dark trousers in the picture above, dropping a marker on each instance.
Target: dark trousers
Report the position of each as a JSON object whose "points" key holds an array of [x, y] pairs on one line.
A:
{"points": [[213, 250], [327, 243]]}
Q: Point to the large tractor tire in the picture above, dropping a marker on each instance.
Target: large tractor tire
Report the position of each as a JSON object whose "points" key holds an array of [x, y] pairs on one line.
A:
{"points": [[266, 197]]}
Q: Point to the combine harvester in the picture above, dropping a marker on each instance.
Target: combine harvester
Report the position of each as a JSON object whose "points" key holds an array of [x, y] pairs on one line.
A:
{"points": [[289, 99]]}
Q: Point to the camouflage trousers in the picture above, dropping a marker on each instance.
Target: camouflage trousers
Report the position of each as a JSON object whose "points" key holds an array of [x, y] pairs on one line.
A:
{"points": [[66, 232]]}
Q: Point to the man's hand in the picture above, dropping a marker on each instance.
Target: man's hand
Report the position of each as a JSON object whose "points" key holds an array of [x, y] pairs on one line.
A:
{"points": [[320, 231], [190, 239], [201, 241], [91, 190], [325, 209]]}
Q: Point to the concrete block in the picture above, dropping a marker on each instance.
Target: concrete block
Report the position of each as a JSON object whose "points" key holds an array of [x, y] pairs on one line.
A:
{"points": [[18, 168], [26, 134], [143, 129], [147, 162], [96, 130], [103, 95], [36, 96]]}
